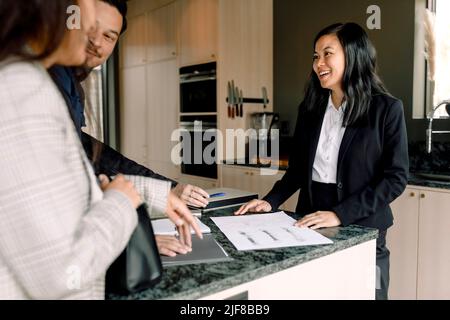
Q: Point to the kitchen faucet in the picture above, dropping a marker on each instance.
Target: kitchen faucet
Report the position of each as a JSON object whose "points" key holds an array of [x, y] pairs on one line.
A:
{"points": [[429, 131]]}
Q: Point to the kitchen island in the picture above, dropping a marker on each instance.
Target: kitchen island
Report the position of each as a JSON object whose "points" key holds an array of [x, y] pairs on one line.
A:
{"points": [[342, 270]]}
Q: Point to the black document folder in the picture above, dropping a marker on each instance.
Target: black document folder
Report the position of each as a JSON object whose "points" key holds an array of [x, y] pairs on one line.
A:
{"points": [[203, 251], [227, 197]]}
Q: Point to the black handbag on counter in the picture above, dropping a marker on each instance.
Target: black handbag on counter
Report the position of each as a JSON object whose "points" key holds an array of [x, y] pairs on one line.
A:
{"points": [[139, 266]]}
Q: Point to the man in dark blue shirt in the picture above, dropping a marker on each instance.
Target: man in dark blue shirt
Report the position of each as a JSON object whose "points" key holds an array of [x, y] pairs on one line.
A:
{"points": [[65, 78]]}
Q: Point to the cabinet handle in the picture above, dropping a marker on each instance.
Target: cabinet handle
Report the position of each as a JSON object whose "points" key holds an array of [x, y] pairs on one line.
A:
{"points": [[422, 195], [412, 194], [174, 53], [252, 173]]}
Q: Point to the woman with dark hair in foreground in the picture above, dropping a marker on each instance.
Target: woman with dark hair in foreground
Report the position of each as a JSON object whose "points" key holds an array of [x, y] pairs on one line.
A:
{"points": [[60, 230]]}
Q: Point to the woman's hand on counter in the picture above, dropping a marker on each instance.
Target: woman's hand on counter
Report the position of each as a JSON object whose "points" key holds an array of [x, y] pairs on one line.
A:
{"points": [[180, 215], [254, 206], [170, 246], [319, 219]]}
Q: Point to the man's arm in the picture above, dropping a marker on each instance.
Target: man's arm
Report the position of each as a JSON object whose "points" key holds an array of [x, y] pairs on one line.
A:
{"points": [[108, 161]]}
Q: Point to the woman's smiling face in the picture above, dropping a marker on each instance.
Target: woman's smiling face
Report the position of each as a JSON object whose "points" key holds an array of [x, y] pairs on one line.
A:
{"points": [[329, 62]]}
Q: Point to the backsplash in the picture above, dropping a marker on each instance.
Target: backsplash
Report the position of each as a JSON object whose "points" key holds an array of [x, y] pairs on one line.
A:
{"points": [[438, 161]]}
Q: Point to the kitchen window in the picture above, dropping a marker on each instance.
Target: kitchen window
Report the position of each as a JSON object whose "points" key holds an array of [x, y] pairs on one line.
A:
{"points": [[432, 56]]}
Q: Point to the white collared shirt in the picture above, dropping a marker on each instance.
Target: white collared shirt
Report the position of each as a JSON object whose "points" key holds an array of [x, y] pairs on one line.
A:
{"points": [[331, 134]]}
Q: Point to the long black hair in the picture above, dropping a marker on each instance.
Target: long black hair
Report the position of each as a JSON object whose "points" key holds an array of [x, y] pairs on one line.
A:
{"points": [[360, 81], [42, 21]]}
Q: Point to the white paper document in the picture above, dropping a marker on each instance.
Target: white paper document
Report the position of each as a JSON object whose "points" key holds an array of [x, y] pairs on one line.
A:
{"points": [[167, 227], [267, 231]]}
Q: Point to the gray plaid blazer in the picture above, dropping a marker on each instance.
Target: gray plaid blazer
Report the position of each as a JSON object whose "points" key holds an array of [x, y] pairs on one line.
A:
{"points": [[58, 232]]}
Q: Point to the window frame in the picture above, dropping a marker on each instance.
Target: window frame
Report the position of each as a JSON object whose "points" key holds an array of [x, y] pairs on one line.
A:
{"points": [[422, 99]]}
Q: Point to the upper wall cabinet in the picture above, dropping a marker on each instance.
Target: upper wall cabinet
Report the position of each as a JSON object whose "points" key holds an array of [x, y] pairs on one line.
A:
{"points": [[198, 31], [246, 46], [134, 42], [161, 30], [246, 58]]}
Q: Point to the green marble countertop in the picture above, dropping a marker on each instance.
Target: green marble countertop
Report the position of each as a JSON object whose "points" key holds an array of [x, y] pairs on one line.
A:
{"points": [[196, 281], [420, 182]]}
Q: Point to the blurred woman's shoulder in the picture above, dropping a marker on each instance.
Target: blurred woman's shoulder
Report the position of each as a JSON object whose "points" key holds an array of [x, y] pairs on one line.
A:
{"points": [[16, 68], [26, 88]]}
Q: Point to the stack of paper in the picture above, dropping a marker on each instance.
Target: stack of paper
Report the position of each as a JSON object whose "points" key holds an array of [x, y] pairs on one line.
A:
{"points": [[167, 227], [267, 231], [203, 251]]}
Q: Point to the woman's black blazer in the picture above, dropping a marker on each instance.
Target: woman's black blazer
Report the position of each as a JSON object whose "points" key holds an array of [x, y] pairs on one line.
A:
{"points": [[372, 166]]}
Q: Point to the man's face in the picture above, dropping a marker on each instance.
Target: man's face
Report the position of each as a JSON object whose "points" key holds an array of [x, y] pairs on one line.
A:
{"points": [[104, 38], [72, 51]]}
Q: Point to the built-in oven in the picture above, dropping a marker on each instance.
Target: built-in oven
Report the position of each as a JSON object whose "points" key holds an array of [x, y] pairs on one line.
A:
{"points": [[198, 88], [199, 141], [198, 120]]}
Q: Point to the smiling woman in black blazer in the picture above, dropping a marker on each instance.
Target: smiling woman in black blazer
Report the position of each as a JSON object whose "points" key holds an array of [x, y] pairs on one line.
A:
{"points": [[350, 156]]}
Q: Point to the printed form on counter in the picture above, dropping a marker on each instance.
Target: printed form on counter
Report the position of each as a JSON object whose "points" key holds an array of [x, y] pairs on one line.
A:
{"points": [[267, 231]]}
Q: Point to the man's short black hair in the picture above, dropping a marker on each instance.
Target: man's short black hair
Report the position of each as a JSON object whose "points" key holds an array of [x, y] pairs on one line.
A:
{"points": [[121, 6]]}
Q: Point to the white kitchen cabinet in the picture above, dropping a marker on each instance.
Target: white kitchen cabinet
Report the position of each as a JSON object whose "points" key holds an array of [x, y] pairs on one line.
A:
{"points": [[150, 90], [161, 115], [161, 30], [246, 57], [418, 242], [402, 241], [149, 115], [133, 110], [434, 239], [250, 179], [198, 31], [133, 44], [247, 179]]}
